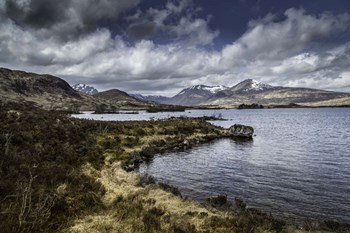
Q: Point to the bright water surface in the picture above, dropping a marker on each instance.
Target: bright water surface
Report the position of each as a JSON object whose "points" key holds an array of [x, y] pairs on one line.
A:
{"points": [[297, 166]]}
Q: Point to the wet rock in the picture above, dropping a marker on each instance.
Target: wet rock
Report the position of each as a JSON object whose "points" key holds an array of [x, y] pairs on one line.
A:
{"points": [[241, 131]]}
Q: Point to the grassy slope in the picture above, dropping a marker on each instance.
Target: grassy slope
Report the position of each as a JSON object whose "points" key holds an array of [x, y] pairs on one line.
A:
{"points": [[66, 175]]}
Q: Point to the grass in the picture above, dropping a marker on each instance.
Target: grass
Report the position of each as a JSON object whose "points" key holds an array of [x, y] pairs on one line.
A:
{"points": [[59, 174]]}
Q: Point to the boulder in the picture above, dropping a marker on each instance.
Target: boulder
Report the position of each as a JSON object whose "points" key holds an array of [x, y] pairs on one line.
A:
{"points": [[241, 131]]}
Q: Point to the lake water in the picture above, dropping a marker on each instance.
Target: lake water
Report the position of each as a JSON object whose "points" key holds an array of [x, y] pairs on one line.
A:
{"points": [[296, 167]]}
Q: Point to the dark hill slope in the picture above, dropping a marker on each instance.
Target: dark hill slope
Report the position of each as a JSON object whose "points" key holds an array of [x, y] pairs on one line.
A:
{"points": [[120, 99], [43, 90], [53, 93], [281, 96]]}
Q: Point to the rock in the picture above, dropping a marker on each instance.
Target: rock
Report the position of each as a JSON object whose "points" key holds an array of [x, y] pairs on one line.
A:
{"points": [[242, 131]]}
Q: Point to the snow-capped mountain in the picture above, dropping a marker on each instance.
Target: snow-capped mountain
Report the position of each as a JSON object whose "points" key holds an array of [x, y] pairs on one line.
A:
{"points": [[248, 91], [250, 85], [203, 88], [195, 95], [89, 90], [202, 94]]}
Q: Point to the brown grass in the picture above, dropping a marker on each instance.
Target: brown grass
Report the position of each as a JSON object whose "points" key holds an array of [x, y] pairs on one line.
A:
{"points": [[81, 183]]}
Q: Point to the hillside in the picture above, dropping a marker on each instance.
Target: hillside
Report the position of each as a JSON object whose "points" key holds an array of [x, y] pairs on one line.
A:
{"points": [[194, 95], [279, 96], [119, 99], [251, 91], [158, 99], [53, 93], [42, 90]]}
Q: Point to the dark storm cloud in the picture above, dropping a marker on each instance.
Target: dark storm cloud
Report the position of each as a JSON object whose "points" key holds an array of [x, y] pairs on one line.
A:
{"points": [[64, 19], [37, 13], [143, 30]]}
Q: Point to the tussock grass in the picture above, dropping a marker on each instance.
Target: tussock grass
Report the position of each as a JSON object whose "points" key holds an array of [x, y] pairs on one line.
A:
{"points": [[74, 170]]}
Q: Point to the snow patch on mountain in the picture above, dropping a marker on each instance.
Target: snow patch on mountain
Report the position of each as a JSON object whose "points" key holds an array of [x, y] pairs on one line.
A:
{"points": [[259, 86], [84, 88], [250, 85], [211, 89]]}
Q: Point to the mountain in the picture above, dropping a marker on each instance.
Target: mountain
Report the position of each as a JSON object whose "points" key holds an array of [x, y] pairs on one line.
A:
{"points": [[195, 95], [249, 85], [121, 100], [159, 99], [251, 91], [45, 91], [50, 92], [53, 93], [86, 89]]}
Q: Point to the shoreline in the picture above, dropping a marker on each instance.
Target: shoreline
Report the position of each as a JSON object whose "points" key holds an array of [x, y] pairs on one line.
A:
{"points": [[80, 164], [229, 205]]}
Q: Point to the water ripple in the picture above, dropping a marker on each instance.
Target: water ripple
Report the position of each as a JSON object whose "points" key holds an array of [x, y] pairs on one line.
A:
{"points": [[298, 165]]}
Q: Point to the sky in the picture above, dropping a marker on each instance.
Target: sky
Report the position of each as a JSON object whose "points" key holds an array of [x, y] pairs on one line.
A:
{"points": [[162, 46]]}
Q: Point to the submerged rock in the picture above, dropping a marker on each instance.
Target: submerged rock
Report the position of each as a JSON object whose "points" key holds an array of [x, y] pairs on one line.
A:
{"points": [[242, 131]]}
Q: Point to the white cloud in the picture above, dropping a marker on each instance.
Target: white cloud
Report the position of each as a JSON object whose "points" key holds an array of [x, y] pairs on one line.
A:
{"points": [[276, 52], [26, 47], [276, 40], [301, 63], [196, 31]]}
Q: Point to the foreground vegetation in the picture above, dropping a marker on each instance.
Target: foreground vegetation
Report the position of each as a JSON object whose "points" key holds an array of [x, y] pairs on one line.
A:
{"points": [[59, 174]]}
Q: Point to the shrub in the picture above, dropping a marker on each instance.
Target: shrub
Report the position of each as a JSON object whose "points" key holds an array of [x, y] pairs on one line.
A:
{"points": [[169, 188], [218, 201]]}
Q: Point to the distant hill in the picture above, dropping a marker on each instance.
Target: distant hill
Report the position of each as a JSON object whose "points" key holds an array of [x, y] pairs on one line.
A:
{"points": [[50, 92], [251, 91], [84, 88], [44, 91], [249, 85], [194, 95], [158, 99], [120, 99]]}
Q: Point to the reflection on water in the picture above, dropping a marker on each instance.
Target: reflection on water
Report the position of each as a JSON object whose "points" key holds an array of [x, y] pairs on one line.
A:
{"points": [[297, 166]]}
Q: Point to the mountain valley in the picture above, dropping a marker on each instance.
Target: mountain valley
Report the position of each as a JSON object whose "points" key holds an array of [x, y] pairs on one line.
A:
{"points": [[50, 92]]}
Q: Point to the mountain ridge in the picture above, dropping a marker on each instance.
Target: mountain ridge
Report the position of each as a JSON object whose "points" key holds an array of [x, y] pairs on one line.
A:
{"points": [[53, 93], [194, 95], [278, 95], [251, 91], [158, 99], [250, 85]]}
